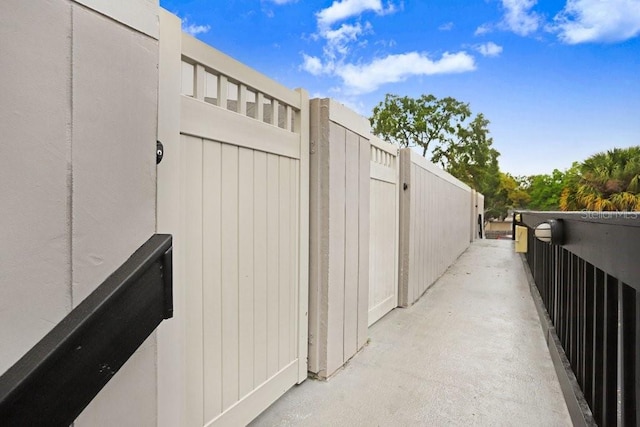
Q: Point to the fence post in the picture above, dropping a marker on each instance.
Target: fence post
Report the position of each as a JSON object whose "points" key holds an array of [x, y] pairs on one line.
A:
{"points": [[339, 235], [405, 220]]}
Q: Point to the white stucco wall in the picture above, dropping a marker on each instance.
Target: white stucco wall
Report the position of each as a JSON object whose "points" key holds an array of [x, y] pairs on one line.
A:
{"points": [[35, 161], [78, 98]]}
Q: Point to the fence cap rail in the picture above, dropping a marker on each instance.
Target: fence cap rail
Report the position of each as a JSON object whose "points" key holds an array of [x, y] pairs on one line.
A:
{"points": [[627, 219], [608, 242], [201, 53], [425, 164]]}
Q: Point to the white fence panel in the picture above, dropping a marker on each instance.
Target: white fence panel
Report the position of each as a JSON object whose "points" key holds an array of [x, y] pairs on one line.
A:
{"points": [[237, 204], [383, 244], [434, 224]]}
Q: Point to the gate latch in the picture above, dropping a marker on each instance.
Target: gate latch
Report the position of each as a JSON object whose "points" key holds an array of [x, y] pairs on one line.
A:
{"points": [[159, 152]]}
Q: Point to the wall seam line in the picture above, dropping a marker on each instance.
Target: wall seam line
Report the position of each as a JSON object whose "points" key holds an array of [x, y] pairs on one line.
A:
{"points": [[70, 170]]}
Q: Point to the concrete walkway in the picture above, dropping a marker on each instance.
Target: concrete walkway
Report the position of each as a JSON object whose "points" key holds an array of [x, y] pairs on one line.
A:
{"points": [[469, 352]]}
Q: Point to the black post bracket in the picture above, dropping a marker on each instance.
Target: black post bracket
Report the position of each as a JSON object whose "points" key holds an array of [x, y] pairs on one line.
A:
{"points": [[55, 380]]}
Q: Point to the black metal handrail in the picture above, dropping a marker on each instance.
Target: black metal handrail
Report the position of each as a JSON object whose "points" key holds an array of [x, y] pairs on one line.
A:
{"points": [[589, 285], [55, 380]]}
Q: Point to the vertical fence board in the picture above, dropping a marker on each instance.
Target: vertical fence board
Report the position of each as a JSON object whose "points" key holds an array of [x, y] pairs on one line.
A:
{"points": [[336, 284], [284, 254], [193, 253], [246, 270], [212, 267], [413, 234], [273, 275], [294, 219], [375, 249], [260, 265], [351, 237], [230, 302], [364, 243]]}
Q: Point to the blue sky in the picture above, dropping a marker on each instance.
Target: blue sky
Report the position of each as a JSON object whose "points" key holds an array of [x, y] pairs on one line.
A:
{"points": [[559, 80]]}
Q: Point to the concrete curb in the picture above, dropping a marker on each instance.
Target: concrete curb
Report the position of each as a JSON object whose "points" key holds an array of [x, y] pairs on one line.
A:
{"points": [[577, 405]]}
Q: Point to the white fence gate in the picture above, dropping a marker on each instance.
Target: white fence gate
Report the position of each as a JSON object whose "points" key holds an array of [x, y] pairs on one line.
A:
{"points": [[383, 246], [233, 189]]}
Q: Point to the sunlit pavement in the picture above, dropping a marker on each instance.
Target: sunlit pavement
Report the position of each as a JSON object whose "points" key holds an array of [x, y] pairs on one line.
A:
{"points": [[469, 352]]}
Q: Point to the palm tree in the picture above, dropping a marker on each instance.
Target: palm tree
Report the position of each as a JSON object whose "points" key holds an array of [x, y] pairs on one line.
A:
{"points": [[608, 181]]}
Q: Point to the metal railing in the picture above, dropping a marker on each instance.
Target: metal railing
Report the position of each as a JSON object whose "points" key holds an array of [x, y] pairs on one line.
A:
{"points": [[55, 380], [589, 285]]}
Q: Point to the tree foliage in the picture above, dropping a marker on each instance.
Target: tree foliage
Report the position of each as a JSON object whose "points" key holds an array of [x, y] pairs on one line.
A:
{"points": [[442, 127], [545, 191], [445, 129], [426, 122], [607, 181], [472, 159], [510, 194]]}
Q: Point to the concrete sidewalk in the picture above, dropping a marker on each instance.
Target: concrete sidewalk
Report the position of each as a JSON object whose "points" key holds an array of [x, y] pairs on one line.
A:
{"points": [[469, 352]]}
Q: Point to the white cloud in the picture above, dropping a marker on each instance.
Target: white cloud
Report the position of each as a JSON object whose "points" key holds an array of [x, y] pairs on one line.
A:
{"points": [[519, 17], [364, 78], [583, 21], [483, 29], [313, 65], [446, 26], [194, 29], [489, 49], [338, 40], [343, 9], [280, 2]]}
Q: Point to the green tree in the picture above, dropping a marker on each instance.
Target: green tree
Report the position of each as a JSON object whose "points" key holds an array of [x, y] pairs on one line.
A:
{"points": [[607, 181], [545, 191], [426, 122], [510, 195], [441, 128], [472, 159]]}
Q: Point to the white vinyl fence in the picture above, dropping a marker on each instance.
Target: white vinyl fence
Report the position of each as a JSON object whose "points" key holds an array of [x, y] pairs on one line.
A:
{"points": [[260, 297], [233, 189], [339, 235], [383, 245], [289, 218], [435, 227]]}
